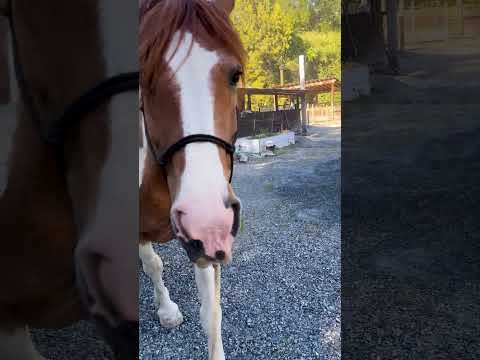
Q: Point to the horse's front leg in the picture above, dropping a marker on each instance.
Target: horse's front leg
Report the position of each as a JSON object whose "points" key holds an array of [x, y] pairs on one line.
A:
{"points": [[168, 312], [208, 284], [16, 344]]}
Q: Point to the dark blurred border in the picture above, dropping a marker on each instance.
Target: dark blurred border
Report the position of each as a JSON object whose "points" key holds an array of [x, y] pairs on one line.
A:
{"points": [[80, 340], [411, 181]]}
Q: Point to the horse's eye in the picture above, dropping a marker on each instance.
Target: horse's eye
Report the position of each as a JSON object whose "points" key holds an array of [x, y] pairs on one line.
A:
{"points": [[235, 77]]}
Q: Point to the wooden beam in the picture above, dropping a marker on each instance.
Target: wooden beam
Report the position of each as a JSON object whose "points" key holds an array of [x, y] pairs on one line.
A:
{"points": [[319, 84], [284, 92]]}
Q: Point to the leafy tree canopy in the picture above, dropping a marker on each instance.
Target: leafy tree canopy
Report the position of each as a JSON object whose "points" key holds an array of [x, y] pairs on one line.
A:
{"points": [[276, 32]]}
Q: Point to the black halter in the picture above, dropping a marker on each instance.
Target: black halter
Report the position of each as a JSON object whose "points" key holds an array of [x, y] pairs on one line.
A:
{"points": [[83, 105], [162, 159]]}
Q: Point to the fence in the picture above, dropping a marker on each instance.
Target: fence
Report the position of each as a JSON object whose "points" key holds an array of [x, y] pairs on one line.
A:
{"points": [[321, 115], [255, 123], [436, 21]]}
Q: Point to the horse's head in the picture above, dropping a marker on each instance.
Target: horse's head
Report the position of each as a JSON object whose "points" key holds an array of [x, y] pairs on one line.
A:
{"points": [[191, 60]]}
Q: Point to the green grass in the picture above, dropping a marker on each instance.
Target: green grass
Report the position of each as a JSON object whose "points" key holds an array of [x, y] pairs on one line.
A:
{"points": [[263, 135]]}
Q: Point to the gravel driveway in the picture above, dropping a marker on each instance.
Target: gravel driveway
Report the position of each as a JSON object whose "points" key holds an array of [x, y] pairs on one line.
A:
{"points": [[410, 190], [281, 294]]}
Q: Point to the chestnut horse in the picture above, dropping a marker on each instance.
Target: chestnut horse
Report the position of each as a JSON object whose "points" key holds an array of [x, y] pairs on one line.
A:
{"points": [[69, 214], [191, 60]]}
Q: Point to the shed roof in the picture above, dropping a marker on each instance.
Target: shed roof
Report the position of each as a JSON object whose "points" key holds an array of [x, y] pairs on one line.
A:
{"points": [[318, 86]]}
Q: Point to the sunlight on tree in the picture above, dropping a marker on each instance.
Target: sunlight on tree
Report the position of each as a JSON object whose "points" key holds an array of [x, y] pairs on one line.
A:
{"points": [[276, 32]]}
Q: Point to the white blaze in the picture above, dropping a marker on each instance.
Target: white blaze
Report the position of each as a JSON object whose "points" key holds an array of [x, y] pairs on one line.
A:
{"points": [[203, 173]]}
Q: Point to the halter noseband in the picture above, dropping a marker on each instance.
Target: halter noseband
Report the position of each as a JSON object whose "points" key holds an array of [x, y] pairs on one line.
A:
{"points": [[164, 158]]}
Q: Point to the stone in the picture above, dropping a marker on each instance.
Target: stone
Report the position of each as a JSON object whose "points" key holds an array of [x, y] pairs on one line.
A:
{"points": [[243, 158]]}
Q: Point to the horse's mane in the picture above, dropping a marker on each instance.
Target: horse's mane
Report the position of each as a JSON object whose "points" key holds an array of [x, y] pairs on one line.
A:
{"points": [[160, 20]]}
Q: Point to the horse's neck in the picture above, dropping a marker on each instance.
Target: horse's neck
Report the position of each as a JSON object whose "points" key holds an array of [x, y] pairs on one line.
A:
{"points": [[102, 149]]}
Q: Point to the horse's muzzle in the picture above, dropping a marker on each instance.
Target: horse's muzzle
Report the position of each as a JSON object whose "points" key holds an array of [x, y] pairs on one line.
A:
{"points": [[207, 235]]}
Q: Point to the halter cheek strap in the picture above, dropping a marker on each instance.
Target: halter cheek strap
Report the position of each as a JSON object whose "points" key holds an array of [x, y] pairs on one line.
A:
{"points": [[89, 101]]}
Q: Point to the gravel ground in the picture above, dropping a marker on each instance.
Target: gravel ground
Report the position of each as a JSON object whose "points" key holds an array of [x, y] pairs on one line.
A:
{"points": [[281, 294], [77, 342]]}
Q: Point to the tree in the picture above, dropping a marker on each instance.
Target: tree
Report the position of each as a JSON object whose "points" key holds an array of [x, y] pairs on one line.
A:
{"points": [[276, 32], [268, 34]]}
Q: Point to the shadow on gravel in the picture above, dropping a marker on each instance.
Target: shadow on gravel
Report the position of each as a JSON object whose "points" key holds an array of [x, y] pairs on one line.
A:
{"points": [[410, 246], [281, 294]]}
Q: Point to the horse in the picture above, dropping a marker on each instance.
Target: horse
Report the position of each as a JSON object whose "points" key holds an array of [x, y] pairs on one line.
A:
{"points": [[69, 213], [191, 60]]}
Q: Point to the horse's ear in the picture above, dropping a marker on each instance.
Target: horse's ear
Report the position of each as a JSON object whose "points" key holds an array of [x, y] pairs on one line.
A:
{"points": [[226, 5], [4, 70]]}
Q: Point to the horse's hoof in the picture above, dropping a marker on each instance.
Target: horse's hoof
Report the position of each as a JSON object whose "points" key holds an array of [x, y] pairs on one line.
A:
{"points": [[170, 317]]}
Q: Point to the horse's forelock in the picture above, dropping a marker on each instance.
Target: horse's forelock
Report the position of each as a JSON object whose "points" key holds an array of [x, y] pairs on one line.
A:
{"points": [[160, 20]]}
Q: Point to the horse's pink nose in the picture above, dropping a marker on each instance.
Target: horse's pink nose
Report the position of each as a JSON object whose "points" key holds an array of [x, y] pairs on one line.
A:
{"points": [[205, 228]]}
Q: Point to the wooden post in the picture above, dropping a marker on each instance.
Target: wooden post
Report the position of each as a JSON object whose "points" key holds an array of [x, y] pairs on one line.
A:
{"points": [[301, 69], [249, 102], [276, 102], [412, 17], [392, 34], [401, 25], [332, 96], [304, 115], [460, 16], [446, 15], [4, 68]]}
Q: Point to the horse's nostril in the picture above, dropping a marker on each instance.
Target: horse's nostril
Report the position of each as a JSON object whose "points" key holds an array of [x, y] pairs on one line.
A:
{"points": [[220, 255], [231, 202], [197, 245], [178, 227]]}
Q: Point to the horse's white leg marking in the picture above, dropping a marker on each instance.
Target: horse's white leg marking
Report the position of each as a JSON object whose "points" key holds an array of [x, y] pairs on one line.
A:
{"points": [[168, 312], [16, 344], [210, 311]]}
